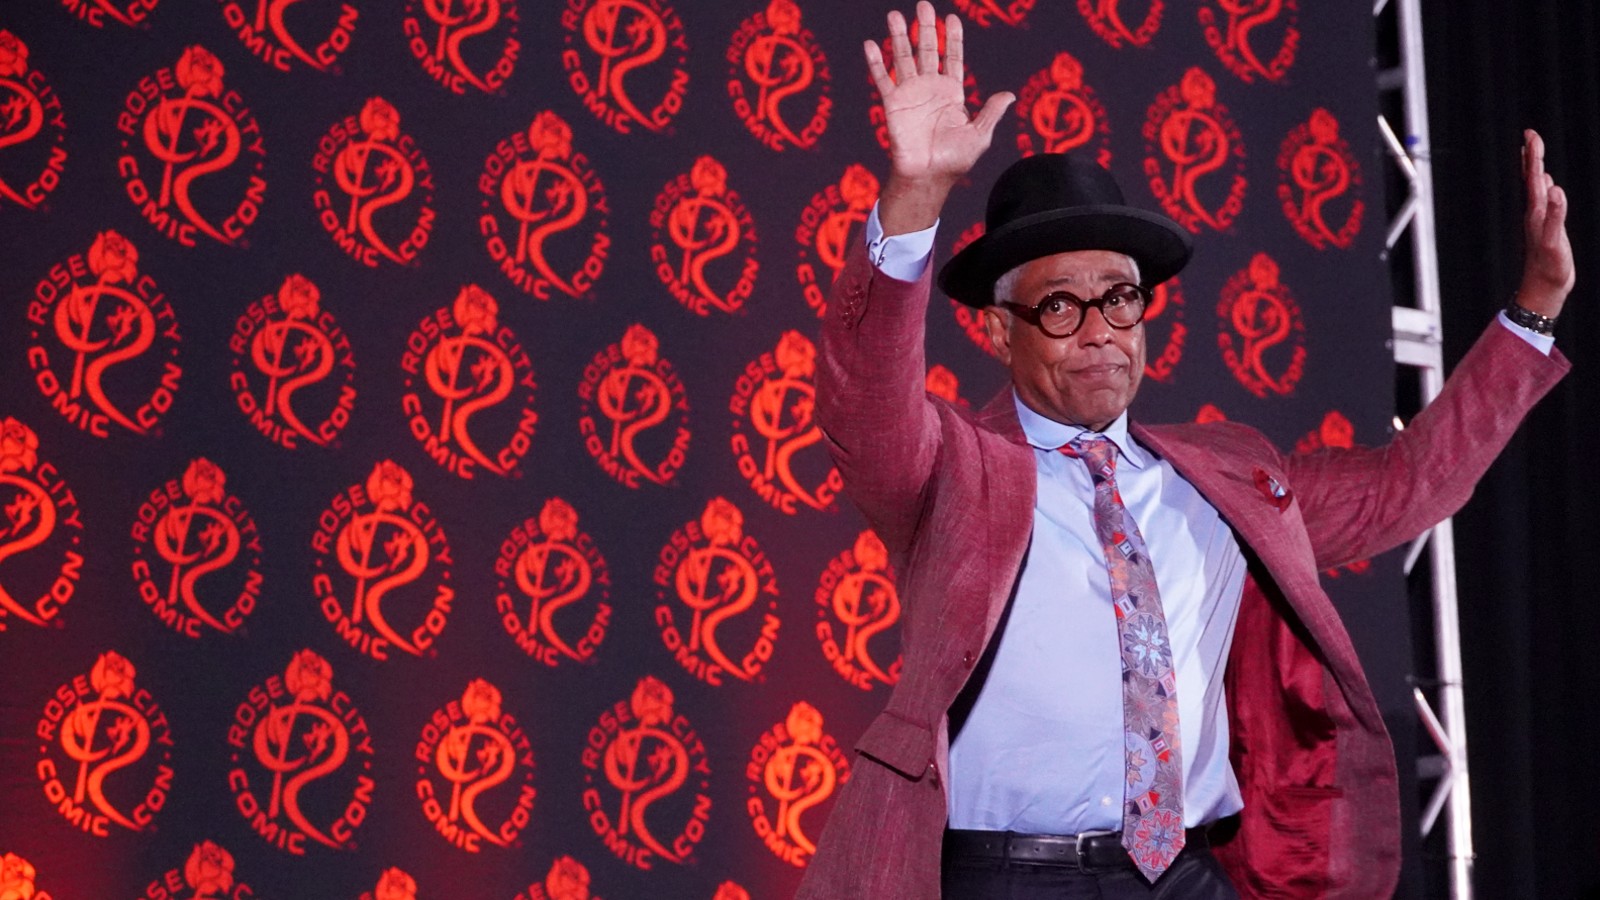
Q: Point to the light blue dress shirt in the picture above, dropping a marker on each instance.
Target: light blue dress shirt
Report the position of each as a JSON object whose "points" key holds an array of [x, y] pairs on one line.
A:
{"points": [[1042, 750]]}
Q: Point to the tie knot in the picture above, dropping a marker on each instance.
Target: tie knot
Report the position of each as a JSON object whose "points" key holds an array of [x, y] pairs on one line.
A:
{"points": [[1100, 454]]}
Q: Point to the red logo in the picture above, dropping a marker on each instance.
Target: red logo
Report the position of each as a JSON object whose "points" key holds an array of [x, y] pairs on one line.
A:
{"points": [[613, 48], [537, 192], [208, 873], [704, 222], [546, 565], [718, 572], [1320, 178], [393, 884], [192, 138], [772, 59], [856, 602], [473, 43], [827, 226], [646, 752], [476, 777], [268, 38], [1209, 413], [100, 315], [1188, 137], [793, 768], [27, 104], [203, 569], [1244, 34], [479, 380], [390, 550], [37, 510], [1164, 328], [1262, 338], [286, 351], [568, 879], [1336, 431], [970, 320], [1116, 26], [969, 82], [1060, 113], [985, 13], [942, 383], [131, 13], [109, 740], [774, 398], [16, 879], [383, 208], [642, 430], [316, 751]]}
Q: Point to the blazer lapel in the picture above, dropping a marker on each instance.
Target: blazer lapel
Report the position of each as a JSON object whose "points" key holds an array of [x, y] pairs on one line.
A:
{"points": [[1273, 531]]}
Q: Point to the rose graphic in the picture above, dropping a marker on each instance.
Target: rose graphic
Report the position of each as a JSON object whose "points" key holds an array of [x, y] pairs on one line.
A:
{"points": [[309, 677], [558, 520], [203, 481]]}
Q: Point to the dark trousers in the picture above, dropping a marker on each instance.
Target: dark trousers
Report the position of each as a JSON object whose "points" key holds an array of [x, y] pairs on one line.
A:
{"points": [[1194, 875]]}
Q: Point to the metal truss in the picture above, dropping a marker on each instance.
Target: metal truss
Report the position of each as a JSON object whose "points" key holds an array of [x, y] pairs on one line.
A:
{"points": [[1418, 344]]}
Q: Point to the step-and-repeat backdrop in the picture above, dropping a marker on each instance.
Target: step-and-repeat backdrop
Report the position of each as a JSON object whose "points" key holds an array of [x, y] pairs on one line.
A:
{"points": [[408, 481]]}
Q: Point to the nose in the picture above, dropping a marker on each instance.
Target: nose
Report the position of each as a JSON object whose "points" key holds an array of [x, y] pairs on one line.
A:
{"points": [[1094, 330]]}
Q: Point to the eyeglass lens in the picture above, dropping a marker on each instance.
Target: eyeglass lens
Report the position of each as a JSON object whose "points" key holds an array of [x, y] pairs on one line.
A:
{"points": [[1122, 305]]}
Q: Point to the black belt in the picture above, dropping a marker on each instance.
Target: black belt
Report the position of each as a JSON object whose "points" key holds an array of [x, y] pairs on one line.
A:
{"points": [[1085, 851]]}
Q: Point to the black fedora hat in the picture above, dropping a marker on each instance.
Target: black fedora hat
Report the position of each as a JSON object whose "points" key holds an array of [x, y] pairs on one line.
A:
{"points": [[1052, 203]]}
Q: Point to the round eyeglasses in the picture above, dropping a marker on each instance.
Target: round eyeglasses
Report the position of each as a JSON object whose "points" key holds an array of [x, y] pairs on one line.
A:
{"points": [[1061, 313]]}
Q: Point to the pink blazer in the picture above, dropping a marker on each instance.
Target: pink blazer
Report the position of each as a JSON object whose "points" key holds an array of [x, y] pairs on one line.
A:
{"points": [[951, 494]]}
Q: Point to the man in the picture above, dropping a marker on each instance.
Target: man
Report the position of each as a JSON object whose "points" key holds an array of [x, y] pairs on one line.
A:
{"points": [[1115, 638]]}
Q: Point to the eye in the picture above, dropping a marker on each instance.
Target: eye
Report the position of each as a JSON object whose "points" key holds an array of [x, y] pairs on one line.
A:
{"points": [[1053, 305], [1122, 295]]}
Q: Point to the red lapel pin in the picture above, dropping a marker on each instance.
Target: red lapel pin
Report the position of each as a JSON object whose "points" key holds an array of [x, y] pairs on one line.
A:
{"points": [[1276, 494]]}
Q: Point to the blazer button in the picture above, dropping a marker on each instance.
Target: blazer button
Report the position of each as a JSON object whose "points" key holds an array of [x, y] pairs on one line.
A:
{"points": [[933, 773], [968, 658]]}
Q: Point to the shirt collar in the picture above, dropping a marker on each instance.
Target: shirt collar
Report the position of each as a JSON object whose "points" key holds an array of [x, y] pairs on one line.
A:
{"points": [[1048, 434]]}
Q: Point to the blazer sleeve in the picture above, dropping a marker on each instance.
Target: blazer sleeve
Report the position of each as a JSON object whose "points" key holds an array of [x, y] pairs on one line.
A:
{"points": [[1358, 502], [877, 421]]}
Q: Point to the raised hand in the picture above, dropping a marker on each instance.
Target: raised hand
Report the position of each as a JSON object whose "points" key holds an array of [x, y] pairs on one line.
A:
{"points": [[932, 140], [1547, 268]]}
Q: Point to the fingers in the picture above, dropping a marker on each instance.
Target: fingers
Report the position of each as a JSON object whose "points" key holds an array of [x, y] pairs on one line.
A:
{"points": [[1535, 181], [900, 45], [1555, 221], [927, 39], [1532, 157], [954, 48], [880, 75]]}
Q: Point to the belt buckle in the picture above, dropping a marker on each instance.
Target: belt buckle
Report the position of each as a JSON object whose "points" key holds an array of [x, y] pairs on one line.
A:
{"points": [[1079, 843]]}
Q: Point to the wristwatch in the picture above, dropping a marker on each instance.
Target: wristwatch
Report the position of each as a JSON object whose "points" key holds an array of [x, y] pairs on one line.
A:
{"points": [[1529, 319]]}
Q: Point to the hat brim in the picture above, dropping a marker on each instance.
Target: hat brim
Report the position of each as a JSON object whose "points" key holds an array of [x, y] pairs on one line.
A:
{"points": [[1159, 245]]}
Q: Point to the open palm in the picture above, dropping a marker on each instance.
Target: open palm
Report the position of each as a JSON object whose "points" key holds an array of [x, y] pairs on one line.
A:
{"points": [[931, 137]]}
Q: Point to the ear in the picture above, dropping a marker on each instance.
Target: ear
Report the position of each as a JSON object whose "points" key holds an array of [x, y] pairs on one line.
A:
{"points": [[998, 326]]}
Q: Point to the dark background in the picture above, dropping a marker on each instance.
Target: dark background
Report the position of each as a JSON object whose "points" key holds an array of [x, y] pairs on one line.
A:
{"points": [[1529, 619], [1526, 641]]}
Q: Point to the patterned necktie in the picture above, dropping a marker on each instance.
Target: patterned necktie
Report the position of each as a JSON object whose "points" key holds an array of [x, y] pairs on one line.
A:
{"points": [[1152, 807]]}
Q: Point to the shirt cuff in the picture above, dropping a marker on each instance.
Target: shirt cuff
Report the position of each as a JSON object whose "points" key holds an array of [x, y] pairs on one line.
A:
{"points": [[1541, 342], [903, 257]]}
